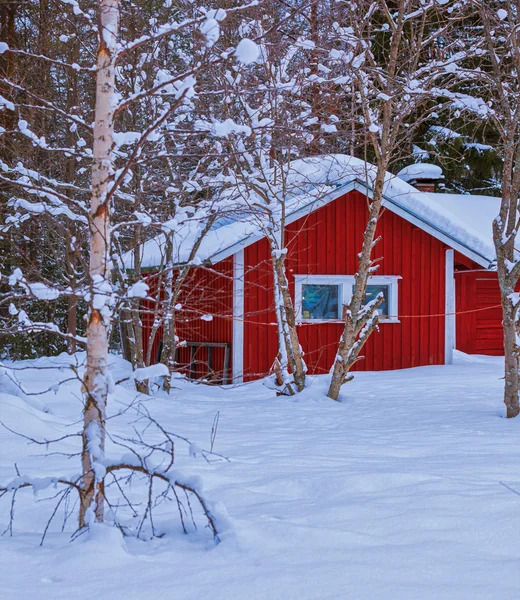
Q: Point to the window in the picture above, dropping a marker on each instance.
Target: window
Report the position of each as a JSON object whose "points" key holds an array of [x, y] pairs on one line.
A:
{"points": [[320, 301], [322, 297], [373, 291]]}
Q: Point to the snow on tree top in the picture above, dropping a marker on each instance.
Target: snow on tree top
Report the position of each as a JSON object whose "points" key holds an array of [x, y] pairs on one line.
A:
{"points": [[314, 182], [420, 171]]}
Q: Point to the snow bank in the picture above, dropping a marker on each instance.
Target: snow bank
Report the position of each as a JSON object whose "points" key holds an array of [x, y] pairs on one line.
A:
{"points": [[102, 546], [379, 497], [32, 422], [158, 370], [9, 384]]}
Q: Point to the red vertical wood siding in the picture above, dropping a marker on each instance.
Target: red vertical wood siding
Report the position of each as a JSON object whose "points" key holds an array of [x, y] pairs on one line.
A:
{"points": [[479, 331], [149, 313], [327, 242], [206, 291]]}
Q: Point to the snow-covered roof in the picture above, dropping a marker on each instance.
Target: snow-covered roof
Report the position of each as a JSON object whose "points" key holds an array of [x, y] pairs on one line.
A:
{"points": [[419, 171], [461, 221], [476, 212]]}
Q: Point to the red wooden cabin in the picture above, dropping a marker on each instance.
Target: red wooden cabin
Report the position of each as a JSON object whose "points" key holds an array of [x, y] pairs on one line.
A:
{"points": [[227, 315]]}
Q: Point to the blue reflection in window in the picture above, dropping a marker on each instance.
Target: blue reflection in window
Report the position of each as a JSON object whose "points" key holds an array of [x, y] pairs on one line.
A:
{"points": [[320, 301], [372, 293]]}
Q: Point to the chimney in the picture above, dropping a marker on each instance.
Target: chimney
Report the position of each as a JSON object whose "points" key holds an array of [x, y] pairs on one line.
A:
{"points": [[423, 176], [424, 185]]}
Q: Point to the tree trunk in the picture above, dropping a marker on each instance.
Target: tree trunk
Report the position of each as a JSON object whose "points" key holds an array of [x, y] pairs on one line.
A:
{"points": [[96, 380], [169, 336], [290, 352], [504, 236], [72, 299], [71, 251], [135, 325], [172, 290], [511, 357], [359, 324], [339, 376]]}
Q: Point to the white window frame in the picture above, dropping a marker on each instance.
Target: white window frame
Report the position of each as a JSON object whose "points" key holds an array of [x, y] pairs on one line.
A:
{"points": [[345, 282]]}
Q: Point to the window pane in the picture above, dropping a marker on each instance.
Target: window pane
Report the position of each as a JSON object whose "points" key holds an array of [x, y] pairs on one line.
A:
{"points": [[320, 301], [373, 291]]}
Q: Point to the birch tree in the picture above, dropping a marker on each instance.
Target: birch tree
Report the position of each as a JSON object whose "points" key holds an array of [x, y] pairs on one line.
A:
{"points": [[496, 81], [107, 158], [96, 380]]}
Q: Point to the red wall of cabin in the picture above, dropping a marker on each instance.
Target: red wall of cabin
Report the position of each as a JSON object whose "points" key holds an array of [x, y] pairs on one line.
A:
{"points": [[327, 242], [206, 291]]}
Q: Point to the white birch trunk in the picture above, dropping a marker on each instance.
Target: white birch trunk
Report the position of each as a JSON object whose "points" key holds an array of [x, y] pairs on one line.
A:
{"points": [[289, 349], [290, 355], [96, 380]]}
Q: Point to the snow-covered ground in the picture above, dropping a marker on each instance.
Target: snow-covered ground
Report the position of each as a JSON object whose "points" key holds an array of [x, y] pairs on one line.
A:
{"points": [[403, 491]]}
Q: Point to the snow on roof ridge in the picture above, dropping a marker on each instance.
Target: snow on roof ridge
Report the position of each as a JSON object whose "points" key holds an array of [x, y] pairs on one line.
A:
{"points": [[318, 179]]}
